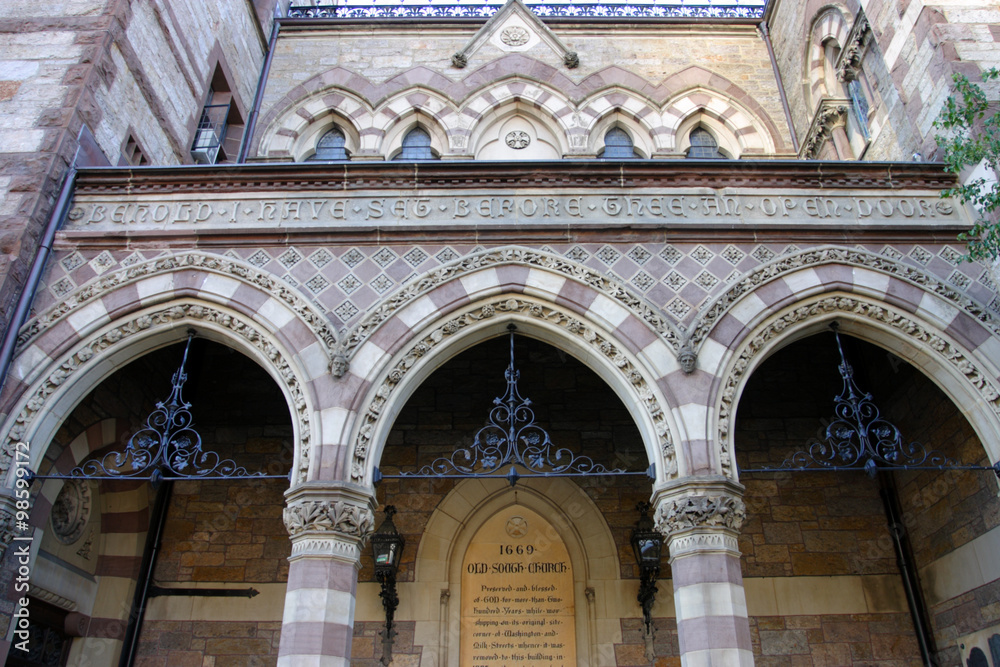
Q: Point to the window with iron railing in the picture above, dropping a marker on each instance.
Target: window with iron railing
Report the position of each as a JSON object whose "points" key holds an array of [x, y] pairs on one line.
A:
{"points": [[210, 134]]}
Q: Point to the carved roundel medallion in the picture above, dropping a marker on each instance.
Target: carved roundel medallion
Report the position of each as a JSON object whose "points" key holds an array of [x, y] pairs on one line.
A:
{"points": [[517, 527], [517, 139], [514, 35], [71, 511]]}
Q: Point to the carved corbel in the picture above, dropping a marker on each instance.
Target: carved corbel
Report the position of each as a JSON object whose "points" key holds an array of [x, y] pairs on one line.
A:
{"points": [[831, 114], [849, 63], [339, 365], [687, 357]]}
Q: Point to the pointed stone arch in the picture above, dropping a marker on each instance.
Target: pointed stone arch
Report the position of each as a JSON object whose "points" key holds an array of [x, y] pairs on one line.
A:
{"points": [[578, 521], [913, 336], [59, 381], [291, 133], [619, 106], [738, 128], [831, 22], [548, 107], [393, 376]]}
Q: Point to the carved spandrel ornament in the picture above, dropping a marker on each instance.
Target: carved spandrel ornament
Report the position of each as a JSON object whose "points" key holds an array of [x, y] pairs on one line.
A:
{"points": [[517, 139], [514, 35]]}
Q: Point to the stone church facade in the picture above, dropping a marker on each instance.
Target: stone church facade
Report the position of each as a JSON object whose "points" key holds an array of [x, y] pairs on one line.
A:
{"points": [[366, 213]]}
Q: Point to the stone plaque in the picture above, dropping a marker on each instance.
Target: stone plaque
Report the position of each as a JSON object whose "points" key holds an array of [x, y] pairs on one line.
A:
{"points": [[517, 595]]}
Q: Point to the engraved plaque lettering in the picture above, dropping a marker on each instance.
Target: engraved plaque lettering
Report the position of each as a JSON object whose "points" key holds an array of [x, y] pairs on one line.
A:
{"points": [[517, 595]]}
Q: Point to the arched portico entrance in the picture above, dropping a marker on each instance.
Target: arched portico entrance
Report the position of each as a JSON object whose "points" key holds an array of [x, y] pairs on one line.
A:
{"points": [[841, 565]]}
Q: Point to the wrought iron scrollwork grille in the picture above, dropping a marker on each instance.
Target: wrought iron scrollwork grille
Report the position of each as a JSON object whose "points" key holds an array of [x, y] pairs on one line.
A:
{"points": [[167, 448], [860, 438], [512, 438]]}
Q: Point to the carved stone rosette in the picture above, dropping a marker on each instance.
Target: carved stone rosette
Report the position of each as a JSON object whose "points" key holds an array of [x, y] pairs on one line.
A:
{"points": [[332, 523], [705, 518]]}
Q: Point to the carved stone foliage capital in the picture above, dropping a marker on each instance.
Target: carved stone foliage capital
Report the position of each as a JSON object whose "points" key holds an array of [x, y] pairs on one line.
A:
{"points": [[700, 511], [849, 64], [328, 516], [831, 114]]}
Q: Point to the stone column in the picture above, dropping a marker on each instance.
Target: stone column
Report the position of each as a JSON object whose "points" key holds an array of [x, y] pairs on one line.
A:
{"points": [[328, 525], [701, 521]]}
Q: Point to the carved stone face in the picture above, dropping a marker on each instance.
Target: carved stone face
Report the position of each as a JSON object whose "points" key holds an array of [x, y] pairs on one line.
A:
{"points": [[339, 366], [687, 358]]}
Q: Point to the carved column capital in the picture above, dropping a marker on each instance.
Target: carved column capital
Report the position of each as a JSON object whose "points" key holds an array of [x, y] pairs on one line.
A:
{"points": [[701, 516], [831, 114], [849, 63], [328, 521]]}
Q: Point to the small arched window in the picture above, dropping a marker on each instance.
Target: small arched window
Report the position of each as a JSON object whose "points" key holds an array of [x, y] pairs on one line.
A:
{"points": [[330, 147], [703, 145], [618, 145], [416, 146]]}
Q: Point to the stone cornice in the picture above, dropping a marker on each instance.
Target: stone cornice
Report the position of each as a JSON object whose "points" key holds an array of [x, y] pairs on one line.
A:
{"points": [[449, 175]]}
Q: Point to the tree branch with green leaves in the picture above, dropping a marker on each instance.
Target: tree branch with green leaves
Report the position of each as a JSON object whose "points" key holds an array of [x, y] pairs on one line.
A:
{"points": [[971, 135]]}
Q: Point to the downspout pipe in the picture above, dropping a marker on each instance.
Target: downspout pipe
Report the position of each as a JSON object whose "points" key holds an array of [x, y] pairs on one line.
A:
{"points": [[781, 86], [154, 537], [259, 97], [20, 314], [907, 570]]}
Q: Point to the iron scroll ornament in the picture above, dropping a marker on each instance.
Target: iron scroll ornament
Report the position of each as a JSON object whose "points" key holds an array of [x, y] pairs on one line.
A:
{"points": [[860, 438], [512, 438], [167, 448]]}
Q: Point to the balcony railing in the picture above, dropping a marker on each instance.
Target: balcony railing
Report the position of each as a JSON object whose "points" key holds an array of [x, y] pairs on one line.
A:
{"points": [[210, 134], [410, 9]]}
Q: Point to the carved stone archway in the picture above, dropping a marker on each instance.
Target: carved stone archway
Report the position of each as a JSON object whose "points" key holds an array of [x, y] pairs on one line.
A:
{"points": [[946, 362], [64, 381], [626, 374]]}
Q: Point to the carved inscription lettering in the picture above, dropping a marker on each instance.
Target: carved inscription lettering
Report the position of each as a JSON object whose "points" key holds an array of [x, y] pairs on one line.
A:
{"points": [[360, 210]]}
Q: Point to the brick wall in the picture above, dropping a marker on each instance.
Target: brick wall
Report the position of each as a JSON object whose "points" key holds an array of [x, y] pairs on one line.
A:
{"points": [[216, 643], [87, 64]]}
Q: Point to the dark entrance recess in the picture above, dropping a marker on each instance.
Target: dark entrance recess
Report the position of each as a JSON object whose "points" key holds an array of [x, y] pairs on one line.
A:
{"points": [[806, 482]]}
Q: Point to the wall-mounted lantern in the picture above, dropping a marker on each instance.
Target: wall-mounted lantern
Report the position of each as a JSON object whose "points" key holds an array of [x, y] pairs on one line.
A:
{"points": [[387, 547], [647, 543]]}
